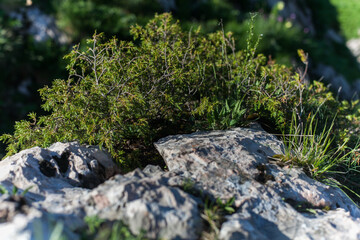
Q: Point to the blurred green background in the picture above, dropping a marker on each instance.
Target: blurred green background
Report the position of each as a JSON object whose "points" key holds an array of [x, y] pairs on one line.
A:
{"points": [[35, 35]]}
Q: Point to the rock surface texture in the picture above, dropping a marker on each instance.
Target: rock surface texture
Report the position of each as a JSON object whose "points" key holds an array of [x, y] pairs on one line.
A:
{"points": [[69, 182], [57, 177], [267, 197]]}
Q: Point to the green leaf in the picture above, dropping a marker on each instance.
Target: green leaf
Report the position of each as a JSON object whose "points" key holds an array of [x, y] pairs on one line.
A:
{"points": [[3, 190], [26, 190], [14, 190], [233, 122], [229, 209]]}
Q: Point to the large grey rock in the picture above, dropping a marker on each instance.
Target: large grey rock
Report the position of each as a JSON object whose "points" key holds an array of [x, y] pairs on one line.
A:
{"points": [[220, 162], [271, 220], [20, 221], [61, 166], [70, 182], [147, 202], [265, 214], [58, 176], [66, 186], [268, 197]]}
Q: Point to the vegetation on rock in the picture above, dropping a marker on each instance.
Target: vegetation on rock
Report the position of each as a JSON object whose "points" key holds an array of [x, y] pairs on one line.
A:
{"points": [[124, 95], [28, 64]]}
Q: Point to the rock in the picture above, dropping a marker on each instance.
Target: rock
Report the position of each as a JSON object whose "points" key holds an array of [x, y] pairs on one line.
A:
{"points": [[66, 164], [296, 187], [220, 161], [354, 47], [62, 177], [149, 204], [255, 221], [70, 181], [20, 221], [272, 202], [58, 176]]}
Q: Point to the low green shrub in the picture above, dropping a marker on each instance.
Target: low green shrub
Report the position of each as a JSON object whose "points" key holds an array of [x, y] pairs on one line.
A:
{"points": [[125, 95]]}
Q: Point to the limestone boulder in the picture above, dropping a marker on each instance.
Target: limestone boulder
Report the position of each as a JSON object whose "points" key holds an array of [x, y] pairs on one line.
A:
{"points": [[273, 202], [48, 192], [55, 188], [54, 180], [152, 203]]}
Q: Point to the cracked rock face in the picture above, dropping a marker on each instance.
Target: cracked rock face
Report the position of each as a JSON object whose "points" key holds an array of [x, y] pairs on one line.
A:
{"points": [[69, 181], [267, 197], [66, 183], [57, 178], [147, 203]]}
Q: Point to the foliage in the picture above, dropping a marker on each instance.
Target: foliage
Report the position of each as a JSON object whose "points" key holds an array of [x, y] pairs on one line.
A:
{"points": [[98, 229], [214, 215], [40, 62], [348, 17], [312, 151], [8, 39], [340, 17], [281, 37], [213, 211], [14, 191], [326, 151], [121, 94], [125, 95]]}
